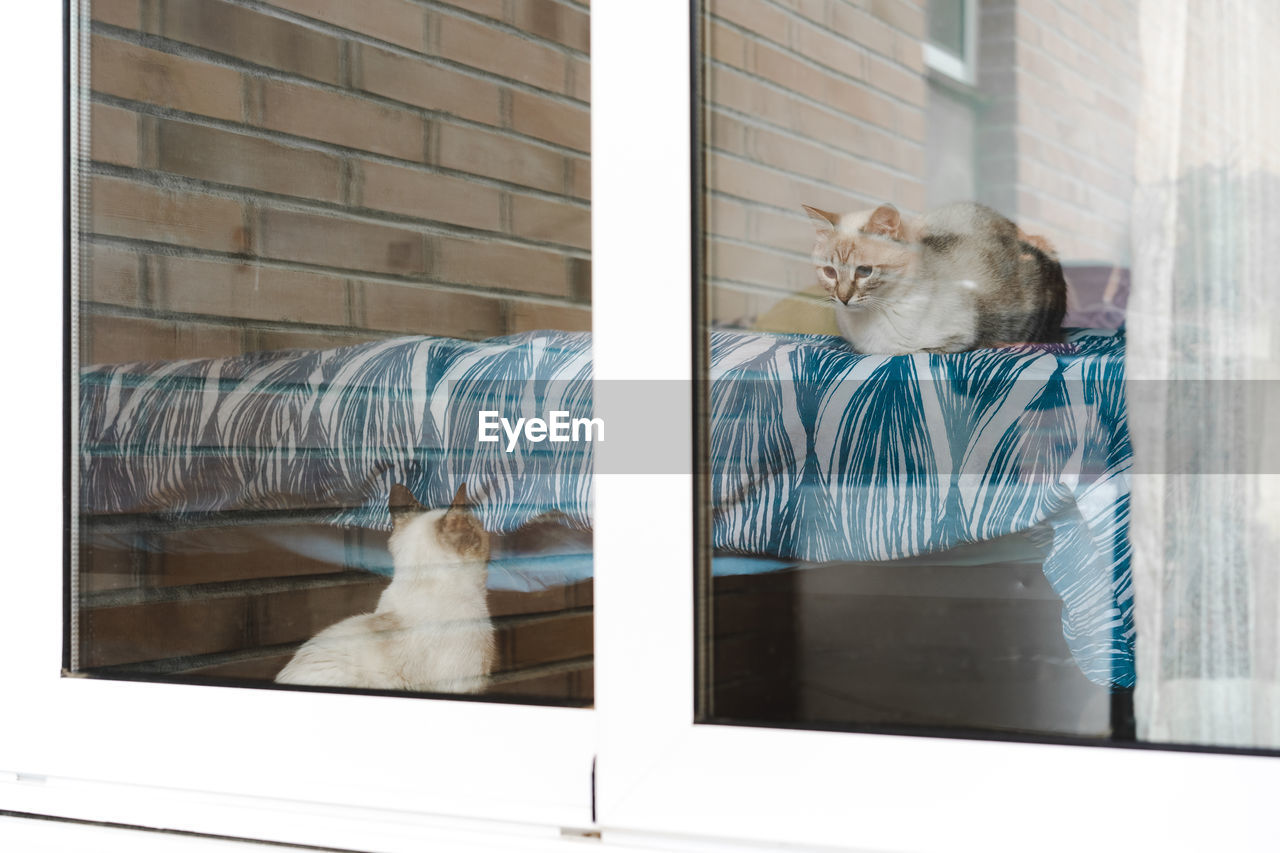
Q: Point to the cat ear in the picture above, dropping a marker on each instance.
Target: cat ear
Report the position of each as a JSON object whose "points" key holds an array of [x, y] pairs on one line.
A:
{"points": [[821, 218], [402, 498], [885, 221], [402, 504], [460, 498]]}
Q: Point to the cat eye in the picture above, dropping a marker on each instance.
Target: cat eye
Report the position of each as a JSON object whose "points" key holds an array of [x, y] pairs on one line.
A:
{"points": [[863, 271], [829, 272]]}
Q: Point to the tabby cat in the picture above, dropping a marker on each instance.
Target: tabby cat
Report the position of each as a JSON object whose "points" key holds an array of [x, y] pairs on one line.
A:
{"points": [[959, 278]]}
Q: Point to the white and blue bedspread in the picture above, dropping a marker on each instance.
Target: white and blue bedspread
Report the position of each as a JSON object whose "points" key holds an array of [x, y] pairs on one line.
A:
{"points": [[818, 454]]}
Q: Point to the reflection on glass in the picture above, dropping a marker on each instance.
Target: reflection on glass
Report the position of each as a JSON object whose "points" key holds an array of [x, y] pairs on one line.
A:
{"points": [[303, 233], [969, 438]]}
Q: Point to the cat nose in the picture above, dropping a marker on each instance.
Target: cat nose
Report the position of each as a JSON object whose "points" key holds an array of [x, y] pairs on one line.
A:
{"points": [[845, 297]]}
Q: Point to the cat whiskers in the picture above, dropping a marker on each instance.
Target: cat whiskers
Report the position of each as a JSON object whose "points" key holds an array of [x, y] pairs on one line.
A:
{"points": [[883, 306]]}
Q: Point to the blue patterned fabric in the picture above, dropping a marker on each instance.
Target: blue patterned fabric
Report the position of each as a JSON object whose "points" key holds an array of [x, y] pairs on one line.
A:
{"points": [[817, 453]]}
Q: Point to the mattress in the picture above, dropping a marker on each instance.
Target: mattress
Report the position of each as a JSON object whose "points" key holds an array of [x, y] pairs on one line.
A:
{"points": [[818, 453]]}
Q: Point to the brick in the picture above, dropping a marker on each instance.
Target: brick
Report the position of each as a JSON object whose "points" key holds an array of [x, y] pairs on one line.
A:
{"points": [[539, 641], [144, 632], [758, 17], [113, 276], [727, 133], [743, 94], [553, 21], [803, 158], [482, 46], [555, 121], [423, 84], [120, 13], [843, 55], [103, 568], [224, 157], [126, 209], [859, 26], [726, 44], [817, 11], [574, 684], [579, 86], [749, 181], [849, 98], [531, 316], [909, 52], [480, 152], [579, 177], [900, 14], [791, 231], [896, 81], [339, 242], [427, 195], [221, 289], [264, 340], [499, 265], [747, 264], [298, 615], [340, 119], [395, 21], [113, 135], [111, 340], [487, 8], [421, 310], [252, 36], [235, 553], [580, 279], [551, 221], [727, 218], [142, 74], [731, 307]]}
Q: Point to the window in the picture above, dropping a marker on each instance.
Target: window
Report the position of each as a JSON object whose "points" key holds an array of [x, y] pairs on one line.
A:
{"points": [[294, 222], [337, 769], [254, 186], [951, 42], [922, 522]]}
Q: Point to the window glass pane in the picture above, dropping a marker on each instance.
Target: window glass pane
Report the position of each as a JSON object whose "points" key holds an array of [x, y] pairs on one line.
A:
{"points": [[990, 371], [947, 25], [316, 241]]}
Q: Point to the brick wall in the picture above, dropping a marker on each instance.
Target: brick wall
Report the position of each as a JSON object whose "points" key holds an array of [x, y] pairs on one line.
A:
{"points": [[265, 174], [1056, 141], [319, 172], [826, 102], [235, 602], [818, 102]]}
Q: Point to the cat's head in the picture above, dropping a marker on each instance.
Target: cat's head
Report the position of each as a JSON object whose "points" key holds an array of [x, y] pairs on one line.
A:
{"points": [[857, 254], [435, 537]]}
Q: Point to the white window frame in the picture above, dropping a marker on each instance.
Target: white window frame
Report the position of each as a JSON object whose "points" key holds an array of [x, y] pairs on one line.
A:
{"points": [[280, 765], [962, 68], [328, 770], [663, 777]]}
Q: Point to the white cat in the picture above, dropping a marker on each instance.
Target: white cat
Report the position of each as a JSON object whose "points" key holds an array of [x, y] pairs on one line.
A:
{"points": [[431, 631]]}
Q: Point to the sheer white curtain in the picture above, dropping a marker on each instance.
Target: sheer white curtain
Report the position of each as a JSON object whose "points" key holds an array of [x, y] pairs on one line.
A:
{"points": [[1204, 328]]}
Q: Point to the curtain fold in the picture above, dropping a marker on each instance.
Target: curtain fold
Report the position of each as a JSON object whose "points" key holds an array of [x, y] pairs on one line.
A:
{"points": [[1204, 341]]}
